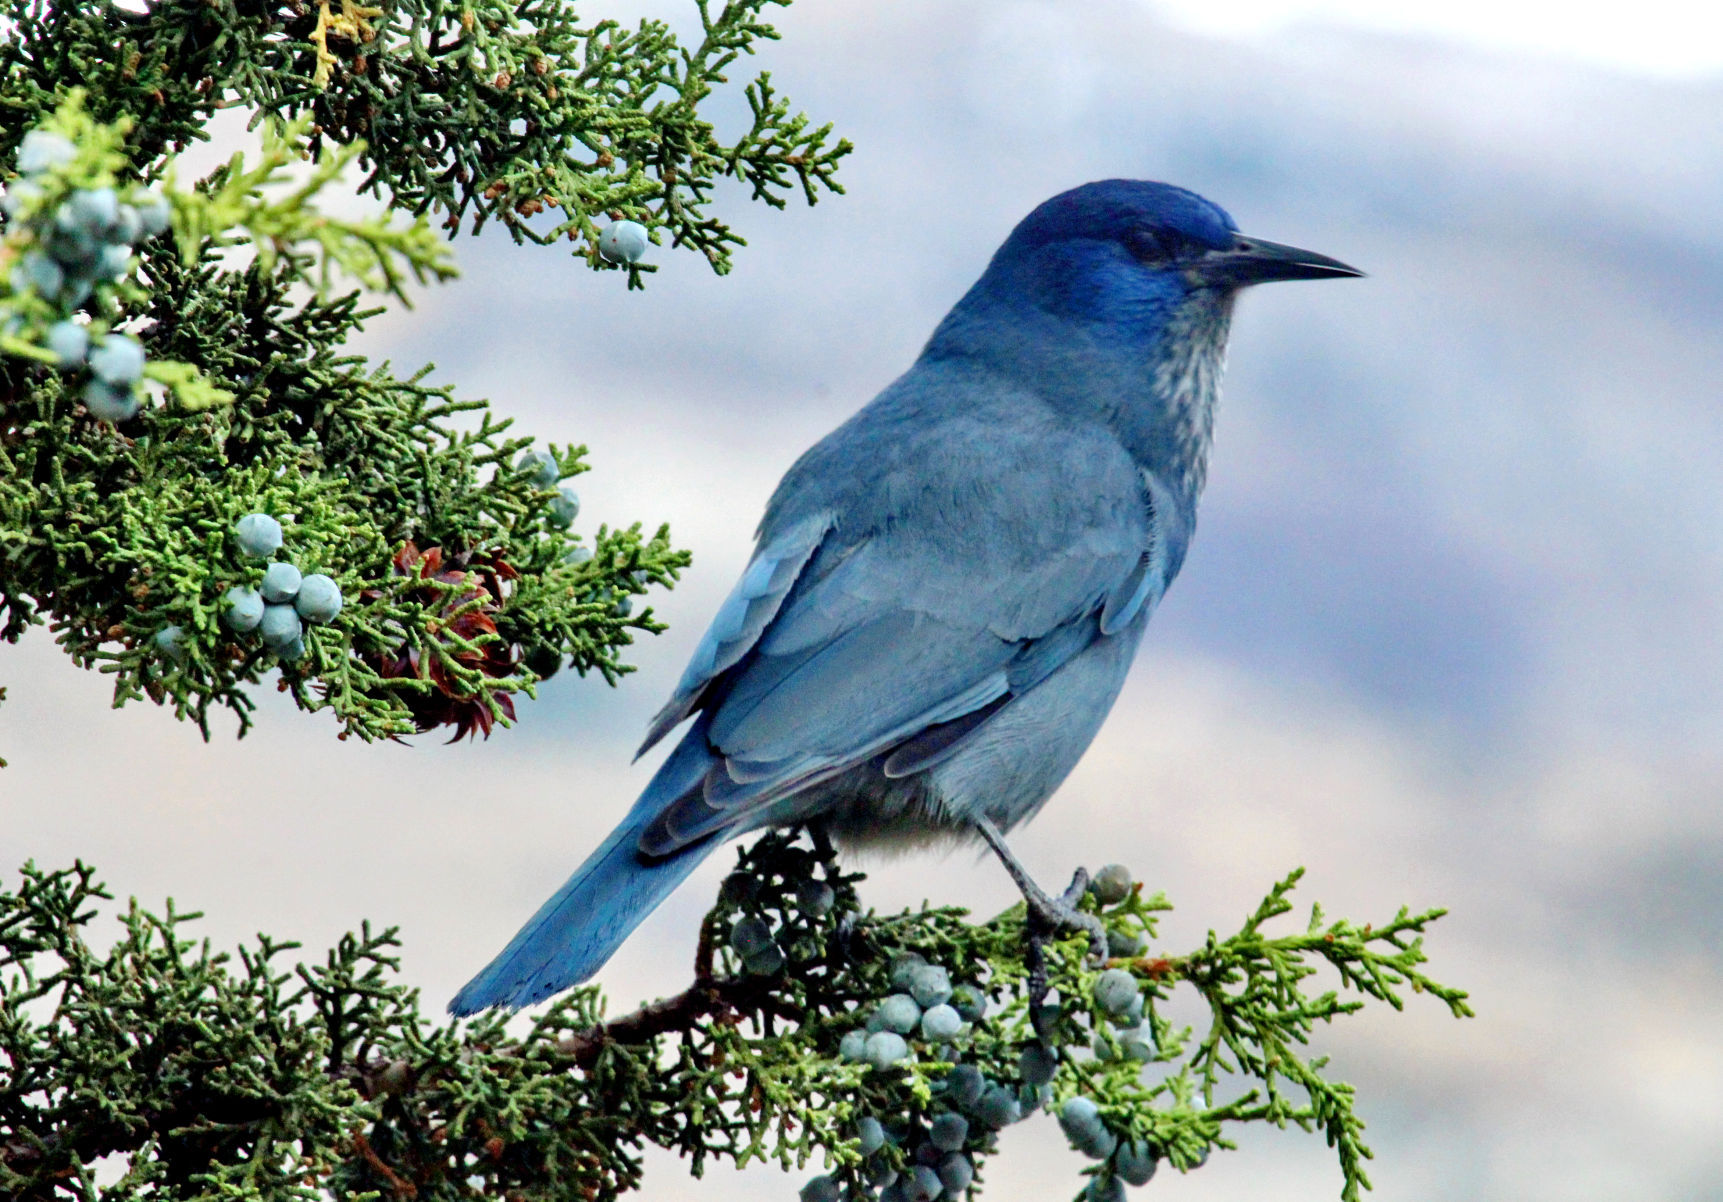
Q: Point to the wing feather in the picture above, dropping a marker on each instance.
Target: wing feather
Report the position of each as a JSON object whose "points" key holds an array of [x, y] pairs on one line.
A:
{"points": [[746, 612], [948, 577]]}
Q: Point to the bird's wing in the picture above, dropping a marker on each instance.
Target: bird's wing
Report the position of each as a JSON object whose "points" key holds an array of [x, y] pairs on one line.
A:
{"points": [[840, 646], [751, 605]]}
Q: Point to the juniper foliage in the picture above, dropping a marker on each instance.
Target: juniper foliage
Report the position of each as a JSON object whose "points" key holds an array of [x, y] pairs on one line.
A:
{"points": [[487, 109], [193, 1074], [463, 587]]}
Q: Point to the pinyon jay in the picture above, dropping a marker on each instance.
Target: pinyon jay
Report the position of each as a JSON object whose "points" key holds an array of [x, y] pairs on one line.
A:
{"points": [[949, 588]]}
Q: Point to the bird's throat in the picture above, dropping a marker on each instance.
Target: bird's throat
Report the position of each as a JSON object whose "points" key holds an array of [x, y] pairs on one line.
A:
{"points": [[1168, 430]]}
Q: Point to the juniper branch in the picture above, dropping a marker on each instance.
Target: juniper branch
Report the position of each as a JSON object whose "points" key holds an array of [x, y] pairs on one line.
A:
{"points": [[327, 1077]]}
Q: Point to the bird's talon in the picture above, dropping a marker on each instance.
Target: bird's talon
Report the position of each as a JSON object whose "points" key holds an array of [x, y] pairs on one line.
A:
{"points": [[1079, 885]]}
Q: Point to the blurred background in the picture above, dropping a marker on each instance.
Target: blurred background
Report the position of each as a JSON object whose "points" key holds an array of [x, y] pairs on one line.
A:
{"points": [[1449, 633]]}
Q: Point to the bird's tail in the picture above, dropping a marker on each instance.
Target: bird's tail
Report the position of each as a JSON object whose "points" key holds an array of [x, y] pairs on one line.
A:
{"points": [[583, 924]]}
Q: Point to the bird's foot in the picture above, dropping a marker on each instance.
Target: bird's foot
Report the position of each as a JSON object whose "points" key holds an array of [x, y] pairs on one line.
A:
{"points": [[1048, 915], [1060, 915]]}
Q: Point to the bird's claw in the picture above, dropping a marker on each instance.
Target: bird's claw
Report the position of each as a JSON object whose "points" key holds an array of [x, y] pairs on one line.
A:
{"points": [[1059, 915]]}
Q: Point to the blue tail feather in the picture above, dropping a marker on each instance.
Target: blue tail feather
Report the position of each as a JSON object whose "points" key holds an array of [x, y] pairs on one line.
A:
{"points": [[583, 924]]}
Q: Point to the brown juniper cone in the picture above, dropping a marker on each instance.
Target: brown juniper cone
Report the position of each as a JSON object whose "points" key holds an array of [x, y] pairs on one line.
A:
{"points": [[482, 577]]}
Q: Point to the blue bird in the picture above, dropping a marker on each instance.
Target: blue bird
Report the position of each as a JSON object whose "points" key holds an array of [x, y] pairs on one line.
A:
{"points": [[948, 589]]}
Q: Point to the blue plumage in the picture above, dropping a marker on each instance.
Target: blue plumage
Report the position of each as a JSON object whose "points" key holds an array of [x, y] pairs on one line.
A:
{"points": [[950, 587]]}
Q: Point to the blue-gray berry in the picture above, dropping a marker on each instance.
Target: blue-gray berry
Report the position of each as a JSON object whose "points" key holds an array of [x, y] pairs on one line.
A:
{"points": [[1122, 944], [1104, 1187], [154, 214], [964, 1084], [109, 402], [899, 1013], [117, 359], [78, 286], [258, 535], [38, 272], [19, 193], [903, 970], [1115, 989], [623, 242], [113, 262], [948, 1131], [885, 1048], [94, 210], [998, 1107], [821, 1189], [280, 627], [969, 1002], [128, 227], [1081, 1120], [540, 467], [881, 1175], [1079, 1112], [563, 508], [1135, 1161], [43, 151], [1096, 1145], [869, 1134], [767, 962], [924, 1184], [170, 641], [750, 936], [930, 985], [894, 1191], [815, 898], [623, 607], [940, 1024], [73, 246], [318, 599], [577, 555], [281, 583], [853, 1046], [242, 609], [1111, 885], [1037, 1065], [1138, 1043], [955, 1171], [69, 341]]}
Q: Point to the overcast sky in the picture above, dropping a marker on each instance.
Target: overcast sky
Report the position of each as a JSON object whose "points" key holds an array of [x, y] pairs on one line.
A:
{"points": [[1448, 633], [1673, 38]]}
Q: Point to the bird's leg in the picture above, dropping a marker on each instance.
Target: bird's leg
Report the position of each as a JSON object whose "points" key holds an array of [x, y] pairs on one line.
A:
{"points": [[822, 842], [1036, 930], [1035, 960], [1047, 914]]}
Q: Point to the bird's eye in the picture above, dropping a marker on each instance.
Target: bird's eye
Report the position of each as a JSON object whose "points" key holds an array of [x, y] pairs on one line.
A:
{"points": [[1156, 244]]}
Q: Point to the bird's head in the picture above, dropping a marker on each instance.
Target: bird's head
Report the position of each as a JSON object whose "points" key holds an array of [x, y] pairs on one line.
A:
{"points": [[1125, 251], [1114, 300]]}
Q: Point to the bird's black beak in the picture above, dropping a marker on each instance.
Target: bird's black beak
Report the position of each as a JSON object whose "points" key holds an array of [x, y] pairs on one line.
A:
{"points": [[1254, 261]]}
